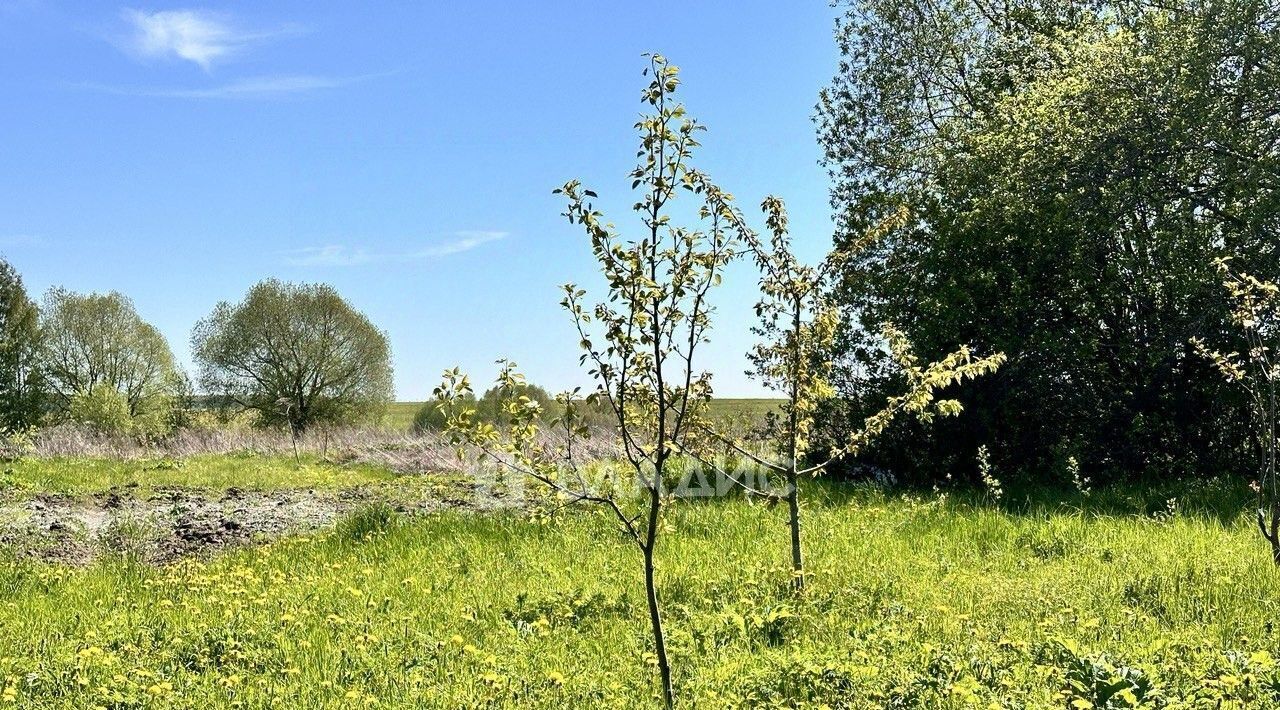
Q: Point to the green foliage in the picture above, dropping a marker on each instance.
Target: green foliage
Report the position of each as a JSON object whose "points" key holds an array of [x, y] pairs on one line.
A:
{"points": [[797, 332], [490, 405], [15, 444], [488, 408], [295, 354], [986, 474], [430, 417], [106, 409], [103, 408], [1256, 313], [1072, 171], [97, 342], [1096, 682], [22, 387]]}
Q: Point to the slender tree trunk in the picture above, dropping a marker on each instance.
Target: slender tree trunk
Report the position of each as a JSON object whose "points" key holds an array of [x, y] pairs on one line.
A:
{"points": [[659, 637], [651, 590], [793, 478], [793, 511], [1269, 484]]}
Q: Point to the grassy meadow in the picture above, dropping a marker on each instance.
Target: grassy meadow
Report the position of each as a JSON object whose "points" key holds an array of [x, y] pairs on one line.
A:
{"points": [[1027, 342], [399, 416], [928, 601]]}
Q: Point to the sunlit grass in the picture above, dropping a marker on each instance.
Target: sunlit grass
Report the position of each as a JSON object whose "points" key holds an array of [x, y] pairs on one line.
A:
{"points": [[915, 602], [399, 415]]}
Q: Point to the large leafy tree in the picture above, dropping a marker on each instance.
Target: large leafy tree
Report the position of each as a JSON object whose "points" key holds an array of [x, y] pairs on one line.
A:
{"points": [[1075, 168], [21, 384], [295, 354], [91, 342]]}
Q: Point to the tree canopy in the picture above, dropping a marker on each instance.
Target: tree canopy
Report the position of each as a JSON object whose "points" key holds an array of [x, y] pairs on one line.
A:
{"points": [[90, 341], [21, 384], [1072, 169], [295, 354]]}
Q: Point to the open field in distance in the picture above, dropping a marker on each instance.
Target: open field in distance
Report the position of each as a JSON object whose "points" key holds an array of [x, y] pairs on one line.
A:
{"points": [[400, 415]]}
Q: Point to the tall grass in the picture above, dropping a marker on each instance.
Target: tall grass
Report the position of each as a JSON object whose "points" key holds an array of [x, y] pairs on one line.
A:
{"points": [[916, 601]]}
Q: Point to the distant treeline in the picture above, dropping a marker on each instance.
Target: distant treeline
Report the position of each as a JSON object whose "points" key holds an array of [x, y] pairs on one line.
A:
{"points": [[290, 354]]}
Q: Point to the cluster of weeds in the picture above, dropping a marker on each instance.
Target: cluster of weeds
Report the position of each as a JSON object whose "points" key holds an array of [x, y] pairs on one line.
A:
{"points": [[372, 520], [539, 617]]}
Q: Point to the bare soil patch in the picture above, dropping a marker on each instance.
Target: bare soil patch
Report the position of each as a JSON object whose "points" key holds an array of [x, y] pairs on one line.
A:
{"points": [[160, 525]]}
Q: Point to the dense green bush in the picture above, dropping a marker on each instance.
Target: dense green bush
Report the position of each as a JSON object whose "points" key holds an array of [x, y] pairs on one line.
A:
{"points": [[107, 410], [488, 407], [429, 417], [104, 408]]}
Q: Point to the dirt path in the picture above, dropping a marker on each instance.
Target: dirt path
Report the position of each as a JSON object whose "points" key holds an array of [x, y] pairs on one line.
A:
{"points": [[161, 525]]}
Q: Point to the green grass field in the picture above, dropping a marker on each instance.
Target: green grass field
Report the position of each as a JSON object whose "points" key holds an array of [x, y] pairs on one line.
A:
{"points": [[399, 416], [916, 602]]}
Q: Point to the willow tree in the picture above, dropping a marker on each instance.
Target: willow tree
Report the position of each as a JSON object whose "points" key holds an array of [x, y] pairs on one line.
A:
{"points": [[640, 344], [97, 342], [295, 354], [797, 331]]}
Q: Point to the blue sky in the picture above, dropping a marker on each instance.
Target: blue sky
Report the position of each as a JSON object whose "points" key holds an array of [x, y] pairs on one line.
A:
{"points": [[404, 153]]}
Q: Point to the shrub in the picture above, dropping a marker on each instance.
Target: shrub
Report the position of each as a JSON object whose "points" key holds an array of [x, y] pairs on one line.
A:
{"points": [[103, 408], [106, 410], [430, 418], [487, 409]]}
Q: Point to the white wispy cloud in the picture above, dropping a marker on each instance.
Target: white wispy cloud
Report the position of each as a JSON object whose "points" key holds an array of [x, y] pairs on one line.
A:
{"points": [[253, 87], [331, 255], [196, 36], [465, 241], [205, 38], [341, 255]]}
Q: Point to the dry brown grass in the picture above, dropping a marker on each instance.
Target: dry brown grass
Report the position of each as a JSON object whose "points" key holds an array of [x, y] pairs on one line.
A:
{"points": [[400, 451]]}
